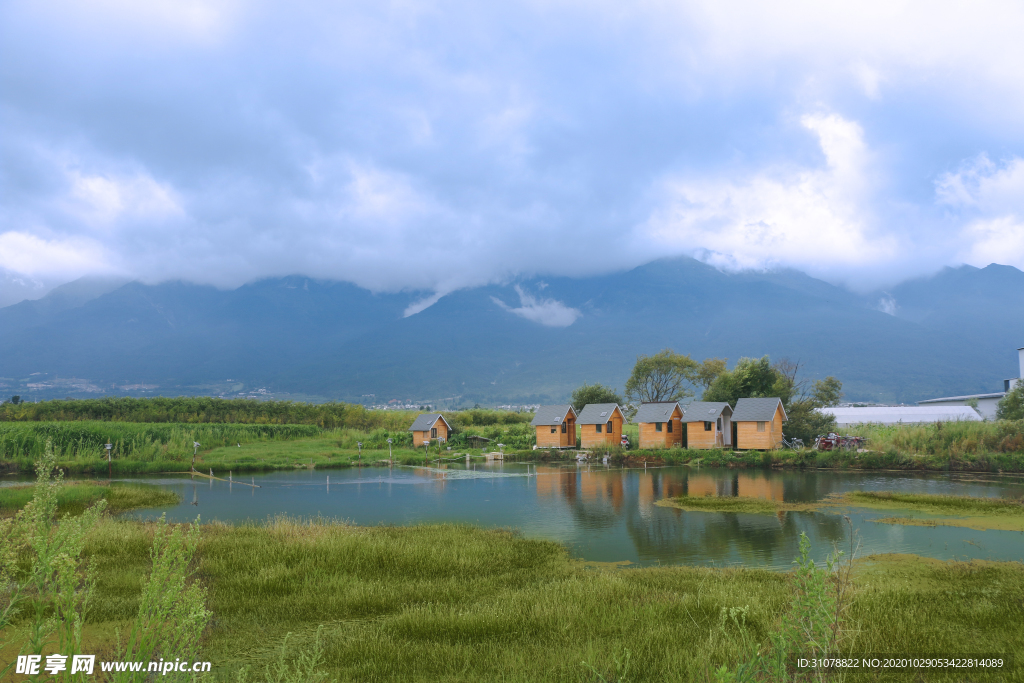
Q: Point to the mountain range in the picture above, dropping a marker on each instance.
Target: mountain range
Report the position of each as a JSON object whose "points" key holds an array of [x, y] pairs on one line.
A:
{"points": [[530, 341]]}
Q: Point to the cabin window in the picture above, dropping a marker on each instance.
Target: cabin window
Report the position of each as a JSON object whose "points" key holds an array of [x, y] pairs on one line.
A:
{"points": [[598, 427], [708, 426], [563, 427], [719, 424], [670, 426], [760, 426], [433, 432], [657, 426], [552, 430], [609, 427]]}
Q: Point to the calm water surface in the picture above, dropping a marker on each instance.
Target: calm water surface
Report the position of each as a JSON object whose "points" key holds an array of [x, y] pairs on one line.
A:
{"points": [[608, 514]]}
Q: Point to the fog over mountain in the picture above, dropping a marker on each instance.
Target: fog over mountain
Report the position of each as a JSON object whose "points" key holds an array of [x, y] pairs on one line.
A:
{"points": [[533, 340], [437, 146]]}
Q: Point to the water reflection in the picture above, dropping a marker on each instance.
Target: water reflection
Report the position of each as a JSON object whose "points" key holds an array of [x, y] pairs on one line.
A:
{"points": [[610, 514]]}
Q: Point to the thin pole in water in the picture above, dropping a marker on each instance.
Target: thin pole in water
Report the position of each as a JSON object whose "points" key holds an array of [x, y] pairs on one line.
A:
{"points": [[328, 483]]}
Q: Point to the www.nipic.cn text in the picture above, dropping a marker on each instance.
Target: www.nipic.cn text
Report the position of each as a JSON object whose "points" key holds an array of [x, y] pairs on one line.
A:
{"points": [[32, 665]]}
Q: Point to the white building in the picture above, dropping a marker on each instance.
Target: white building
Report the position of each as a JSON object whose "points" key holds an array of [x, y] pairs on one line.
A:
{"points": [[987, 403], [889, 415]]}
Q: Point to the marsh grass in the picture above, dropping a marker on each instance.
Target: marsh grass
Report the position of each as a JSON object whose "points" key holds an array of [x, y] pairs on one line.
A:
{"points": [[1006, 514], [967, 505], [755, 506], [75, 497], [322, 600]]}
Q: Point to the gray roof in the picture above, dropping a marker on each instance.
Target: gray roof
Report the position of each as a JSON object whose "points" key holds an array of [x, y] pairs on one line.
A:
{"points": [[551, 415], [962, 398], [757, 409], [655, 412], [426, 421], [596, 413], [706, 411]]}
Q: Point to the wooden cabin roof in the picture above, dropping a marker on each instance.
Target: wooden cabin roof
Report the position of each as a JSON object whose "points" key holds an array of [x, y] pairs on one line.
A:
{"points": [[656, 412], [598, 413], [424, 422], [551, 415], [706, 411], [757, 409]]}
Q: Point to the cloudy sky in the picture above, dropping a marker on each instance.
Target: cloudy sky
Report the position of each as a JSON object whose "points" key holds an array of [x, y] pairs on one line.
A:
{"points": [[433, 145]]}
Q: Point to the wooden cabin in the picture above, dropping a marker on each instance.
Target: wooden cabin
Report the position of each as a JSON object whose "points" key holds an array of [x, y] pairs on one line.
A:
{"points": [[661, 425], [429, 427], [600, 425], [758, 423], [555, 426], [708, 425]]}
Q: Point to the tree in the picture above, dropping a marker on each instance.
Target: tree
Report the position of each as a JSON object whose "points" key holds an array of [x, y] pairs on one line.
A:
{"points": [[827, 392], [15, 399], [1011, 406], [593, 393], [754, 379], [707, 371], [665, 376], [805, 420]]}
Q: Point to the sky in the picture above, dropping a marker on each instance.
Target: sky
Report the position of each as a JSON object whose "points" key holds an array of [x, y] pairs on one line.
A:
{"points": [[429, 146]]}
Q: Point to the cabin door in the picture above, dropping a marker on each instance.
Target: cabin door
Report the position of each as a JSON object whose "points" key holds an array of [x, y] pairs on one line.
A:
{"points": [[682, 426], [734, 444]]}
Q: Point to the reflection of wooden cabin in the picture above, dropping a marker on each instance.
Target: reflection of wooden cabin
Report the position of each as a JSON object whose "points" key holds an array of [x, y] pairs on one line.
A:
{"points": [[430, 427], [758, 423], [708, 425], [600, 425], [759, 486], [661, 425], [555, 426]]}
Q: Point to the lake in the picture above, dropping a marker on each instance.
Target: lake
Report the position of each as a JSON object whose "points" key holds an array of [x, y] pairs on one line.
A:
{"points": [[608, 514]]}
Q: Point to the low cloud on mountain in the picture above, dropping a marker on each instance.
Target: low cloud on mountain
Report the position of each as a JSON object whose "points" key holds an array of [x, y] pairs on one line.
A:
{"points": [[437, 146]]}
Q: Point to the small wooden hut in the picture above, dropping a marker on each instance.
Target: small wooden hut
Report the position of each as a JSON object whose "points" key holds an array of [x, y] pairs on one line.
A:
{"points": [[708, 425], [600, 425], [661, 425], [430, 427], [758, 423], [555, 426]]}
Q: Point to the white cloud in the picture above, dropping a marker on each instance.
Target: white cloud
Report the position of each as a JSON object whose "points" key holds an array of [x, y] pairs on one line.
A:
{"points": [[26, 254], [989, 200], [101, 200], [547, 312], [811, 218], [430, 147]]}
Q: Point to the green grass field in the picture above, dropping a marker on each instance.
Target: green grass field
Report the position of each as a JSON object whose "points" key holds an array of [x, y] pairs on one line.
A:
{"points": [[457, 603], [75, 497]]}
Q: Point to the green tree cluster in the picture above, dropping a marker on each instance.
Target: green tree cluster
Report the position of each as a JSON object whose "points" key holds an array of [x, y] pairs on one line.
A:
{"points": [[1011, 407], [594, 393]]}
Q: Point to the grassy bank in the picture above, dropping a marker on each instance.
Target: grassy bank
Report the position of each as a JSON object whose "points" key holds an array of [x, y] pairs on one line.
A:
{"points": [[167, 447], [971, 512], [457, 603], [751, 506], [968, 511], [74, 497]]}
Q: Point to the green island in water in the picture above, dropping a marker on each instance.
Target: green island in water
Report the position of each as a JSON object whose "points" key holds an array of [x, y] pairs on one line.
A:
{"points": [[971, 512]]}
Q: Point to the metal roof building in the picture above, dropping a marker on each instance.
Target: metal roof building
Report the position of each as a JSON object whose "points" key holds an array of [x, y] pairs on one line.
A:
{"points": [[424, 422], [757, 409], [888, 415], [551, 415], [597, 413], [656, 412]]}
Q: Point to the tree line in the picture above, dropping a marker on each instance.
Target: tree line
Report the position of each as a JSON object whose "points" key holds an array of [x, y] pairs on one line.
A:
{"points": [[671, 376]]}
